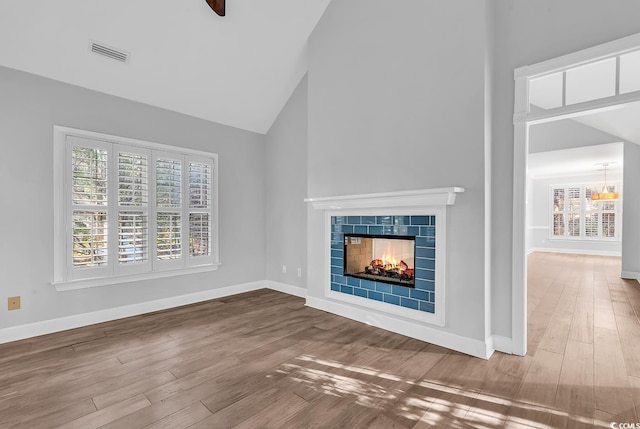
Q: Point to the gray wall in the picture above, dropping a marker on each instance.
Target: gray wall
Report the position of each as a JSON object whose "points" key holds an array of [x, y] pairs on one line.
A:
{"points": [[396, 102], [401, 87], [29, 108], [631, 208], [528, 32], [286, 188]]}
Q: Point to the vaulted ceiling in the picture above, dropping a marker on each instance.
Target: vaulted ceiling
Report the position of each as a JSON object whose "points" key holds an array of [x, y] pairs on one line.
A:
{"points": [[237, 70]]}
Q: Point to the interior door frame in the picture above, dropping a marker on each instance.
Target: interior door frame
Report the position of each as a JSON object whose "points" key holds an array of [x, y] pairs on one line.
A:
{"points": [[523, 118]]}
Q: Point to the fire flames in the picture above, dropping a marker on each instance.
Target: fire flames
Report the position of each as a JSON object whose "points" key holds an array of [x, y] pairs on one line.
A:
{"points": [[389, 266]]}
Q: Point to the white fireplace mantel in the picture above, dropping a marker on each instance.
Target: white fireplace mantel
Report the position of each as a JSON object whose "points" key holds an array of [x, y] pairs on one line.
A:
{"points": [[414, 198], [392, 316]]}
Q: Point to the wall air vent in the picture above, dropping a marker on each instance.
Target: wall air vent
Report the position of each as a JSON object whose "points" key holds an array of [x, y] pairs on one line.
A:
{"points": [[109, 52]]}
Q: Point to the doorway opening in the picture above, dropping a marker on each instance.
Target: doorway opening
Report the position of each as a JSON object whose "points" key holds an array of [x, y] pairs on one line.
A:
{"points": [[592, 86]]}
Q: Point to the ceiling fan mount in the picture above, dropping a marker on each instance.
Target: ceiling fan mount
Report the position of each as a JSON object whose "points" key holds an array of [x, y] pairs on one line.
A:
{"points": [[217, 6]]}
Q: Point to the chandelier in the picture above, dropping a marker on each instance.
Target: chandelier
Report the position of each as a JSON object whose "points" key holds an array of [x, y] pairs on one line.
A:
{"points": [[605, 194]]}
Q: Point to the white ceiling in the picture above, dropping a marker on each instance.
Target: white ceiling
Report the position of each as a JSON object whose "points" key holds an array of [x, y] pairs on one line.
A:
{"points": [[237, 70], [621, 121], [576, 161]]}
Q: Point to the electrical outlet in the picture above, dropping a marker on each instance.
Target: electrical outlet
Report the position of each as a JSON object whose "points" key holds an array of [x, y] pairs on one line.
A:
{"points": [[13, 303], [299, 272], [284, 269]]}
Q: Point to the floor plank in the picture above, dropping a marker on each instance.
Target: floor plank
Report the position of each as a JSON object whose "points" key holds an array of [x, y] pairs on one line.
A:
{"points": [[264, 359], [613, 395], [575, 394], [537, 393]]}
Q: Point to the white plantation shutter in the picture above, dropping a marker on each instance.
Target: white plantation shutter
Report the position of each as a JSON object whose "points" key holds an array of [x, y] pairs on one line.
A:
{"points": [[89, 175], [591, 224], [200, 185], [168, 182], [200, 211], [131, 207], [133, 178], [90, 238], [88, 208], [169, 235], [199, 234], [578, 217], [608, 225], [591, 214], [608, 211], [573, 211], [558, 205], [169, 193], [133, 237]]}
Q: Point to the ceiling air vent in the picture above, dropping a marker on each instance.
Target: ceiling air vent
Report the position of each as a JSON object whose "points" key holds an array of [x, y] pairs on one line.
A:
{"points": [[109, 52]]}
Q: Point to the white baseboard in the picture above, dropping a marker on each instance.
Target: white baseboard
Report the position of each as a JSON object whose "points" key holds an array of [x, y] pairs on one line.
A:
{"points": [[404, 327], [502, 344], [575, 251], [630, 275], [286, 288], [76, 321]]}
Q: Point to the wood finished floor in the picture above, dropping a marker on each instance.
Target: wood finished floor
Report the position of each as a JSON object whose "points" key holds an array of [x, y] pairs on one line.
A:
{"points": [[263, 359]]}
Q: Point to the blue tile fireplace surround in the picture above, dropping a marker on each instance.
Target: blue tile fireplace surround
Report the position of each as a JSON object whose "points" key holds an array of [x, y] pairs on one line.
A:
{"points": [[423, 228]]}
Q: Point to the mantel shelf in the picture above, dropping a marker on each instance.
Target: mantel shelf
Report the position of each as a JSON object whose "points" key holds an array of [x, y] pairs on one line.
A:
{"points": [[414, 198]]}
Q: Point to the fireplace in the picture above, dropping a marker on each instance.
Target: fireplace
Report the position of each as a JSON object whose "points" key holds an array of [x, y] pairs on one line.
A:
{"points": [[382, 258], [417, 220]]}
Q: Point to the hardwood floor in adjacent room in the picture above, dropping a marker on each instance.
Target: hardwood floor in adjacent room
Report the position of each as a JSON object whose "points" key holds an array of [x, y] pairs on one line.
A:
{"points": [[263, 359]]}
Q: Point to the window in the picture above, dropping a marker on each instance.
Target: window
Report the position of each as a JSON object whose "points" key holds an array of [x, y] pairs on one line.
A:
{"points": [[574, 215], [595, 80], [135, 209]]}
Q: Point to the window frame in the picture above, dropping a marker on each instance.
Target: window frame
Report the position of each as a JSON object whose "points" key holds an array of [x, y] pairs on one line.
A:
{"points": [[582, 212], [64, 276]]}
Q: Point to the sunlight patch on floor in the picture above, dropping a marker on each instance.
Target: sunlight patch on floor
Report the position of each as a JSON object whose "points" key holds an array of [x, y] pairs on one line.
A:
{"points": [[437, 402]]}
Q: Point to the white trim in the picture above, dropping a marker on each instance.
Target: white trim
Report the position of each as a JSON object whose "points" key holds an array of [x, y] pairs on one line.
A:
{"points": [[588, 55], [420, 197], [64, 278], [287, 288], [79, 320], [409, 328], [575, 251], [579, 109], [110, 138], [63, 286], [519, 240], [429, 202], [501, 344], [631, 275], [585, 240], [438, 317], [59, 207], [537, 227]]}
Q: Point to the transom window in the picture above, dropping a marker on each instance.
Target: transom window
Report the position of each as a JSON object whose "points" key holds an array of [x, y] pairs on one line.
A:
{"points": [[608, 77], [127, 207], [574, 215]]}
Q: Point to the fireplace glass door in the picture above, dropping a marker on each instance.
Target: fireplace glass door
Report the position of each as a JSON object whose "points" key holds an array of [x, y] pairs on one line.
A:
{"points": [[381, 258]]}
